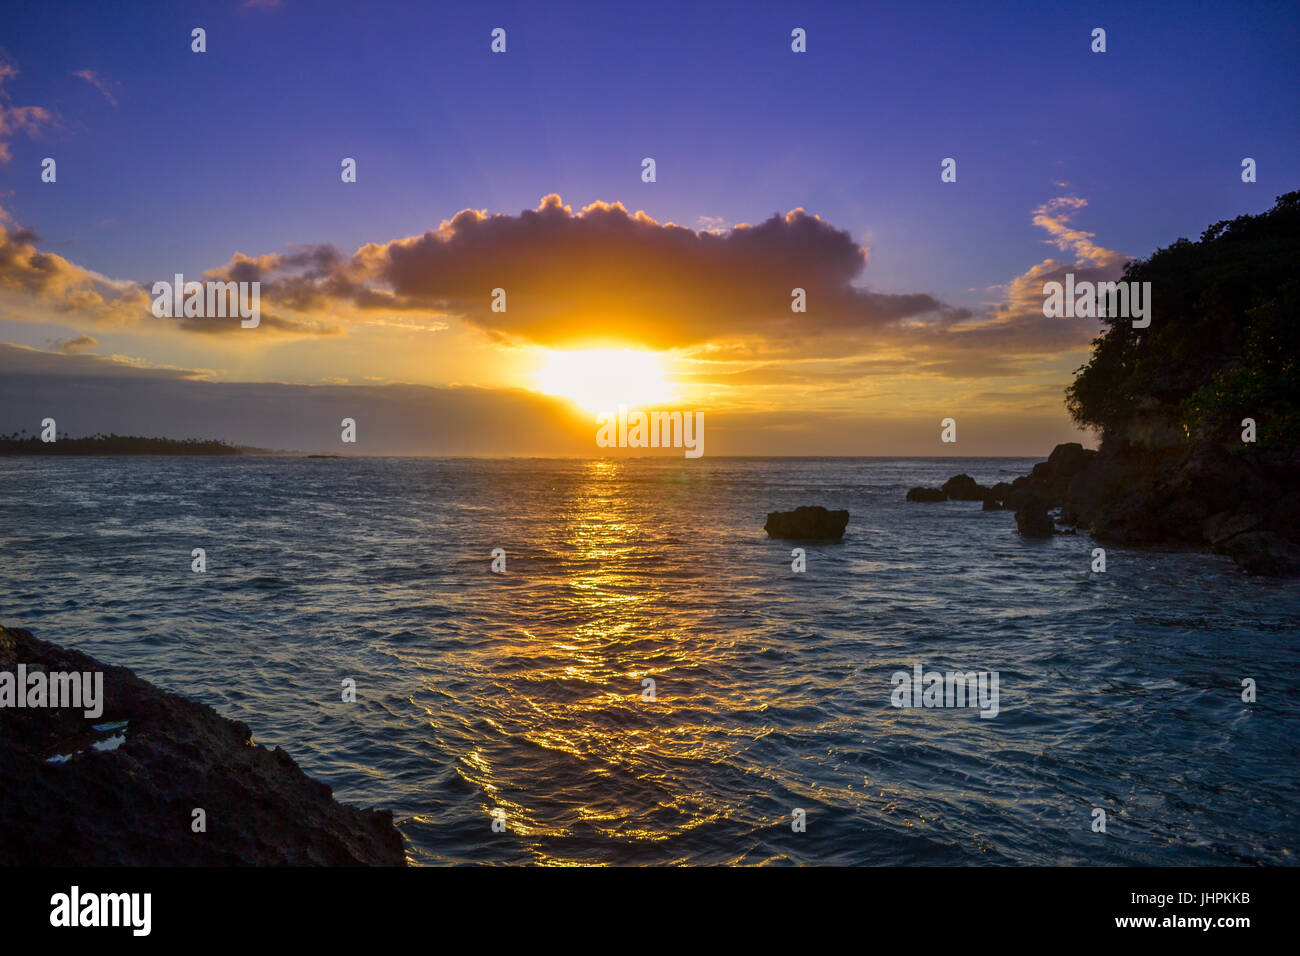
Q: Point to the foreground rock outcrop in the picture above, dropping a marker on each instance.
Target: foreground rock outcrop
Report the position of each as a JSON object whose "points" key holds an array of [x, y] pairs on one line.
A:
{"points": [[1196, 409], [812, 523], [1234, 501], [121, 788], [1237, 502]]}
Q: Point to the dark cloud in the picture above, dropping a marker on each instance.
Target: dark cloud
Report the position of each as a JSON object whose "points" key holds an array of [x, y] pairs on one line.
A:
{"points": [[20, 360], [92, 393], [605, 276], [794, 373], [71, 346], [602, 275], [86, 394]]}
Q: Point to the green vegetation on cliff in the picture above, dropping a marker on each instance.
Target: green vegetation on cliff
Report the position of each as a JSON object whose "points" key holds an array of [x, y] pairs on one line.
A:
{"points": [[1223, 345]]}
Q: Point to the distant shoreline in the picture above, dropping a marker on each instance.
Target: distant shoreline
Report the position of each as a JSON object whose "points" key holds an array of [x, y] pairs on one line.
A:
{"points": [[117, 445], [172, 448]]}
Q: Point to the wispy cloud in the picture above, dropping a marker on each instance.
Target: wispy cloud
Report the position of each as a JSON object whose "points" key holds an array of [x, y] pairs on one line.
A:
{"points": [[100, 83], [1055, 215], [28, 120], [714, 224]]}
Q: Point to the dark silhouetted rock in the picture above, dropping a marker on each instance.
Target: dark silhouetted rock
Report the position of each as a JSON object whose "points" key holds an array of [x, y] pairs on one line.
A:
{"points": [[1239, 499], [1032, 519], [1016, 497], [1219, 528], [1174, 466], [996, 497], [132, 806], [1067, 460], [1186, 494], [810, 522], [1051, 479], [1180, 519], [1000, 490], [1263, 552], [1284, 516], [963, 488], [926, 494]]}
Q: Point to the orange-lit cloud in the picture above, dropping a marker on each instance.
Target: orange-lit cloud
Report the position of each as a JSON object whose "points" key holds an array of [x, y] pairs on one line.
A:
{"points": [[43, 283], [105, 86], [599, 276], [28, 120], [606, 277]]}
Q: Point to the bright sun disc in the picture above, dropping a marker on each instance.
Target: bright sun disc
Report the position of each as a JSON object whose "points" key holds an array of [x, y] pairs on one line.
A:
{"points": [[602, 379]]}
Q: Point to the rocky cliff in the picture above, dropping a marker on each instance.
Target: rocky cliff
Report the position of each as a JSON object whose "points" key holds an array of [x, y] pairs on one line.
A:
{"points": [[1198, 412], [121, 788]]}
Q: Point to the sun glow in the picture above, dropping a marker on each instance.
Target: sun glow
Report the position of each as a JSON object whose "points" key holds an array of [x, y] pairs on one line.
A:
{"points": [[600, 380]]}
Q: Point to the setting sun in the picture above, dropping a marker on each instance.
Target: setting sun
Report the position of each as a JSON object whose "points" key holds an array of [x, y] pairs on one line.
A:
{"points": [[602, 379]]}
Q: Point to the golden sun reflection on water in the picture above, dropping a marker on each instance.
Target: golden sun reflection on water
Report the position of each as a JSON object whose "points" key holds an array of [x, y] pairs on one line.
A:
{"points": [[583, 746]]}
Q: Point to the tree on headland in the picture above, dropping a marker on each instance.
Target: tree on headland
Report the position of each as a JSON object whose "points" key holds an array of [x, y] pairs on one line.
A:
{"points": [[1223, 344], [113, 444]]}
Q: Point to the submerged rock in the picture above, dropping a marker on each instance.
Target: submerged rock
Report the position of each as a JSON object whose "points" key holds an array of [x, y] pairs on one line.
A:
{"points": [[126, 783], [926, 494], [811, 522]]}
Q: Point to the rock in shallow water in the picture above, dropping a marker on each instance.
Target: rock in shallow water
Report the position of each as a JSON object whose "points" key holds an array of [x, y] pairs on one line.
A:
{"points": [[1032, 519], [926, 494], [964, 488], [811, 522]]}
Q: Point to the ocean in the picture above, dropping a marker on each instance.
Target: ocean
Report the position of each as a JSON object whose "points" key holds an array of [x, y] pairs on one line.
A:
{"points": [[524, 691]]}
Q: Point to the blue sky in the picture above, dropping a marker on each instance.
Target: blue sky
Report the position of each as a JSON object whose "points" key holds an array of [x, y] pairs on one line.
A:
{"points": [[246, 139], [171, 161]]}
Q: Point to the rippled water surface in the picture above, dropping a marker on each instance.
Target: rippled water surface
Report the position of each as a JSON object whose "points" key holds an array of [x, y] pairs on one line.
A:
{"points": [[523, 691]]}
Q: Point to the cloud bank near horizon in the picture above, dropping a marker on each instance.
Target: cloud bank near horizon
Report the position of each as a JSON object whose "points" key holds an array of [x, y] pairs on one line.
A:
{"points": [[87, 393], [605, 276]]}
